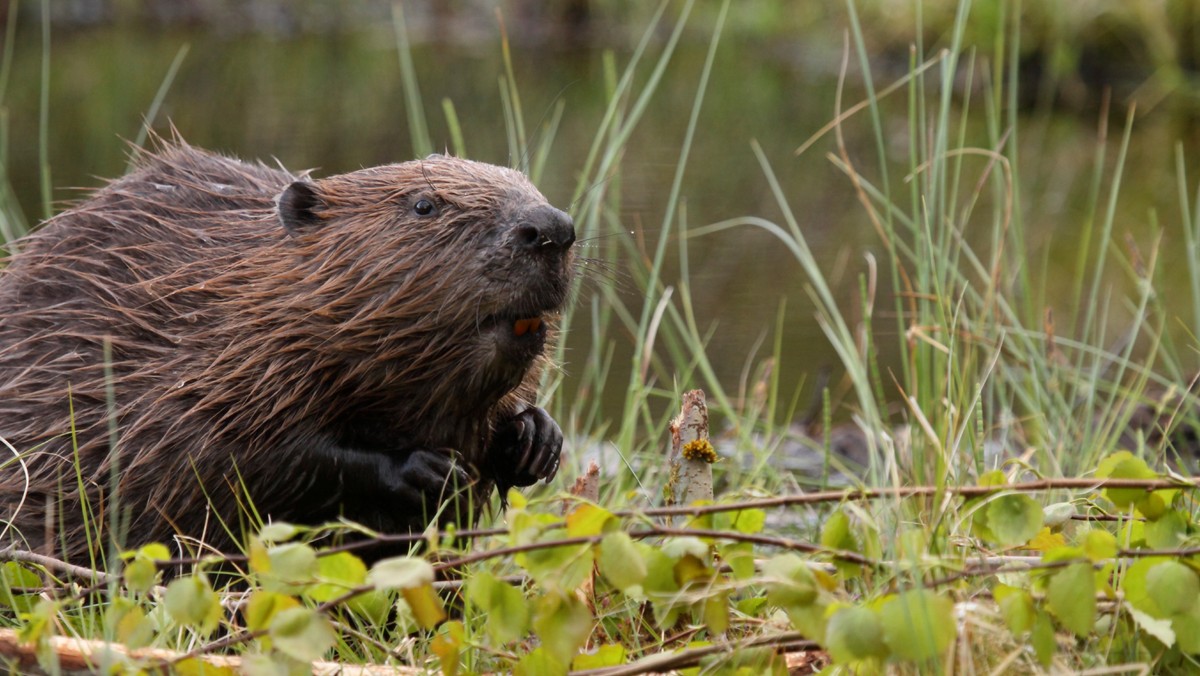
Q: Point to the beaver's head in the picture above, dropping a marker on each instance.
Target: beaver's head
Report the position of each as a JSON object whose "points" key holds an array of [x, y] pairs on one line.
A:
{"points": [[441, 271]]}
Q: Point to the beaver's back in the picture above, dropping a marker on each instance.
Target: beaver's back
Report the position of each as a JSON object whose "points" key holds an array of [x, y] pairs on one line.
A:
{"points": [[176, 208], [132, 261], [112, 291]]}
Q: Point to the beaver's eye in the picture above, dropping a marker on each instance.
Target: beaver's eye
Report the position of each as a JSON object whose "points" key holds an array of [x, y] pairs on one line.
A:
{"points": [[423, 207]]}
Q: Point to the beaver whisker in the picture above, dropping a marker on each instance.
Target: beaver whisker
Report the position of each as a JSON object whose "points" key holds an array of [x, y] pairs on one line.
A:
{"points": [[601, 272], [587, 192]]}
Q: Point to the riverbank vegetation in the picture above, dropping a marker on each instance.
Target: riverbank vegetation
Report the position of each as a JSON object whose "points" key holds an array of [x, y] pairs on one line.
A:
{"points": [[999, 467]]}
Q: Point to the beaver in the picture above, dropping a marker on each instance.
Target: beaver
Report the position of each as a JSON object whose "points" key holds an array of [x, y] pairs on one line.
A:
{"points": [[208, 344]]}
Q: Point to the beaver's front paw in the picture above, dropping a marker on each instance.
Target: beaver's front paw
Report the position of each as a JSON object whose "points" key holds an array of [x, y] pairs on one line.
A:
{"points": [[425, 479], [525, 448]]}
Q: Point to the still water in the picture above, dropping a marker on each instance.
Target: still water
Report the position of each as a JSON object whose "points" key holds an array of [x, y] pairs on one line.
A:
{"points": [[335, 103]]}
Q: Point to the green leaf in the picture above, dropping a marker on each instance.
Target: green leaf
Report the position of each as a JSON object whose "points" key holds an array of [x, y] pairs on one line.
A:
{"points": [[1173, 587], [302, 633], [715, 613], [447, 645], [1042, 639], [836, 534], [660, 571], [1152, 505], [1016, 605], [740, 558], [256, 556], [140, 575], [750, 606], [1058, 514], [402, 572], [1133, 585], [1124, 465], [292, 566], [747, 521], [1168, 531], [619, 561], [338, 573], [562, 567], [38, 624], [789, 581], [129, 623], [993, 478], [1099, 545], [192, 602], [540, 662], [426, 605], [264, 605], [690, 570], [855, 633], [341, 572], [504, 605], [516, 500], [607, 655], [918, 625], [587, 520], [279, 531], [530, 527], [563, 624], [1063, 554], [1160, 629], [13, 574], [809, 620], [1071, 596], [373, 606], [678, 547], [1014, 519], [155, 551], [1187, 630]]}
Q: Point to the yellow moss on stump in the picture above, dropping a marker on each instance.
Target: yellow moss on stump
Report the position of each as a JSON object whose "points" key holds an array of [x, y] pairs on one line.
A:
{"points": [[700, 449]]}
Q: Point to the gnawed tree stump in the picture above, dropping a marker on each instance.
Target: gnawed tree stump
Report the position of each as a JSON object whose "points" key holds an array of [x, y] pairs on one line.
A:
{"points": [[689, 462]]}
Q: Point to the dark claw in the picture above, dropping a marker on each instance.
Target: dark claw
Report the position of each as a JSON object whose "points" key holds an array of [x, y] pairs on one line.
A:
{"points": [[525, 438], [526, 448]]}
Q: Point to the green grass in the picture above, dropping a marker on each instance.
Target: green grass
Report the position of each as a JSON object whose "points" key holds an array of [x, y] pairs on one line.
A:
{"points": [[986, 361]]}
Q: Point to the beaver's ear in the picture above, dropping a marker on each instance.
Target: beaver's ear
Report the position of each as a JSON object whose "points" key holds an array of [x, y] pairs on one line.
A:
{"points": [[298, 204]]}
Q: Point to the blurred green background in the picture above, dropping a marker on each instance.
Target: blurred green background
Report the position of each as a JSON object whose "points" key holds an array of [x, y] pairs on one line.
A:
{"points": [[316, 84]]}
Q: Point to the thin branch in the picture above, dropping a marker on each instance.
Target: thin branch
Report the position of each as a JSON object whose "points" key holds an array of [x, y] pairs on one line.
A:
{"points": [[11, 553], [855, 494], [662, 662]]}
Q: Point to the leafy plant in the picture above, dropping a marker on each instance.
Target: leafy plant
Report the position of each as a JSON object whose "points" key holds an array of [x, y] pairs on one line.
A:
{"points": [[1013, 513]]}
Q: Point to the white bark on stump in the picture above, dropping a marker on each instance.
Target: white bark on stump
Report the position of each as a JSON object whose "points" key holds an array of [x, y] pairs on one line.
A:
{"points": [[689, 462]]}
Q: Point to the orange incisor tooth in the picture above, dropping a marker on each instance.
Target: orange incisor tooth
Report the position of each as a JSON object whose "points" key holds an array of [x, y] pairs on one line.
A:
{"points": [[523, 326]]}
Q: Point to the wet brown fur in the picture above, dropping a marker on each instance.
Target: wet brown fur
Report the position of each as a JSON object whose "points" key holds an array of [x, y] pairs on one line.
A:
{"points": [[234, 345]]}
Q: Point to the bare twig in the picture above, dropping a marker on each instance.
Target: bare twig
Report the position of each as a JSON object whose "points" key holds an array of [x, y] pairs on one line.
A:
{"points": [[50, 563], [659, 662], [856, 494]]}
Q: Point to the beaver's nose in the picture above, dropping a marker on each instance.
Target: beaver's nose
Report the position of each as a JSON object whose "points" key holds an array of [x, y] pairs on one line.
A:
{"points": [[546, 229]]}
